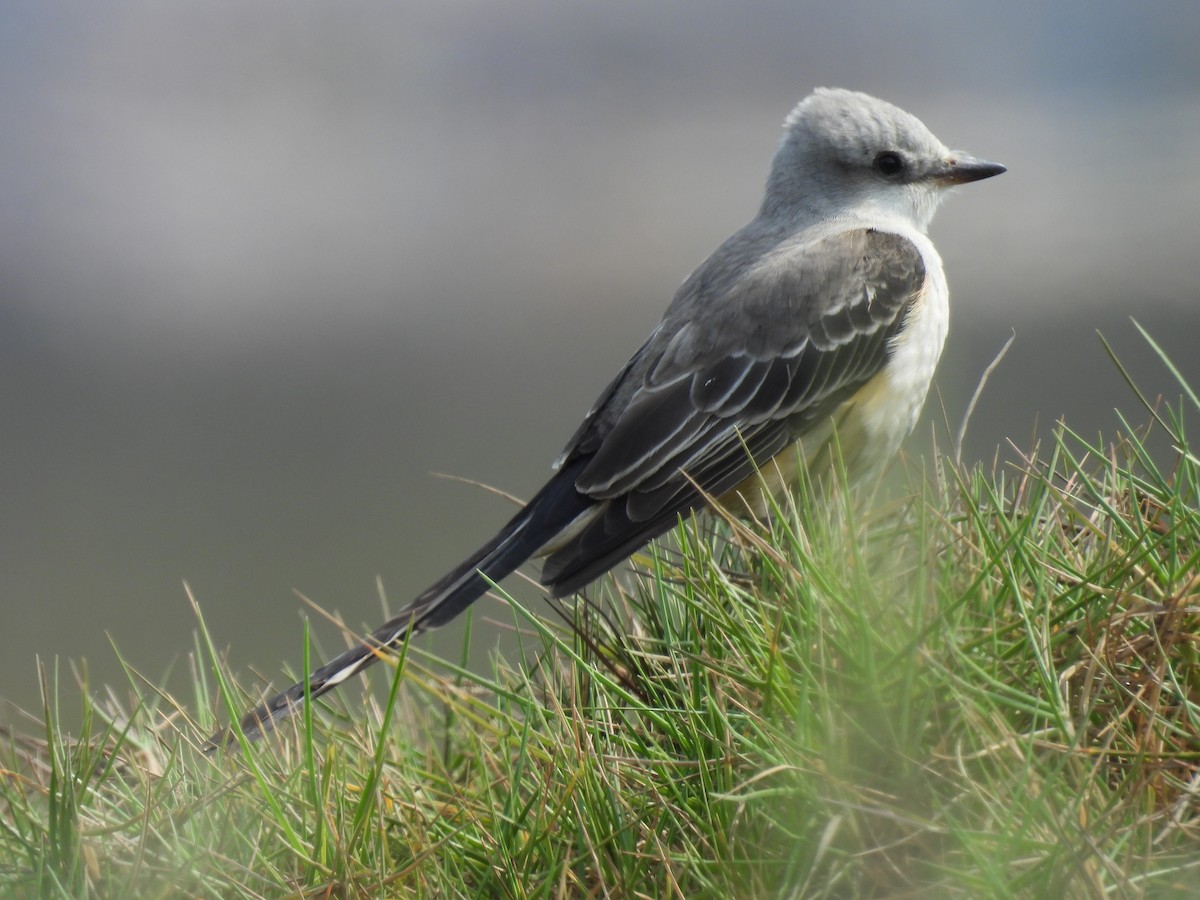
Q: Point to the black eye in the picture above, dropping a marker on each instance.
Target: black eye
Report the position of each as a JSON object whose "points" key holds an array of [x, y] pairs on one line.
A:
{"points": [[889, 163]]}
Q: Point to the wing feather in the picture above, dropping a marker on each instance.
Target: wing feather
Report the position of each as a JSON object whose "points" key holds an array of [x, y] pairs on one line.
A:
{"points": [[742, 365]]}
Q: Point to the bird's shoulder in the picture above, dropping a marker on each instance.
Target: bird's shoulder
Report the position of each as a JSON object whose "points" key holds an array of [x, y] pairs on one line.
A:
{"points": [[768, 292]]}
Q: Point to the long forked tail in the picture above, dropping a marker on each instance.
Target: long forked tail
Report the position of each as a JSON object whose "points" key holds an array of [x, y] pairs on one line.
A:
{"points": [[553, 509]]}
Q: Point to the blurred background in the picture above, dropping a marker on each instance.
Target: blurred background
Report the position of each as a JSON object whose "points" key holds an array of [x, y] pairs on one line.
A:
{"points": [[265, 267]]}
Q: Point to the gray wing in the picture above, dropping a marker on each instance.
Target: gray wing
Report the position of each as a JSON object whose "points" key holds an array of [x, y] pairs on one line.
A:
{"points": [[753, 352]]}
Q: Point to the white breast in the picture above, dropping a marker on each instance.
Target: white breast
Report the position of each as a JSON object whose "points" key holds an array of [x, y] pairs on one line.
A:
{"points": [[883, 413]]}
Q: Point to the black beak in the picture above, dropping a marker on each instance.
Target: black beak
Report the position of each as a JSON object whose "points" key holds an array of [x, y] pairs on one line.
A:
{"points": [[962, 168]]}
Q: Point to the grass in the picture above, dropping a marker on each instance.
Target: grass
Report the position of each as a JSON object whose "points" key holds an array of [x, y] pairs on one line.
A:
{"points": [[989, 688]]}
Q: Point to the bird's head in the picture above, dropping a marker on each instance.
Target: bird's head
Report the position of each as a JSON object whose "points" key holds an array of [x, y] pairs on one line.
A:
{"points": [[844, 152]]}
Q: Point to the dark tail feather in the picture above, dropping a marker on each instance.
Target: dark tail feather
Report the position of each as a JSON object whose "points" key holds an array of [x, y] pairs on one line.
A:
{"points": [[555, 507]]}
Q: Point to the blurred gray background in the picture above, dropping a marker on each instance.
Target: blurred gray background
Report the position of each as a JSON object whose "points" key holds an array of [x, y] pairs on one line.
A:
{"points": [[266, 266]]}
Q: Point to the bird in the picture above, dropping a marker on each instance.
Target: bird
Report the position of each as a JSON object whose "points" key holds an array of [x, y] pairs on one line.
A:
{"points": [[824, 316]]}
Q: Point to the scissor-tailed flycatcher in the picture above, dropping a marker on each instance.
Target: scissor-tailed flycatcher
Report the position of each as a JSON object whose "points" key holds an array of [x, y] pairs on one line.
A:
{"points": [[827, 313]]}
